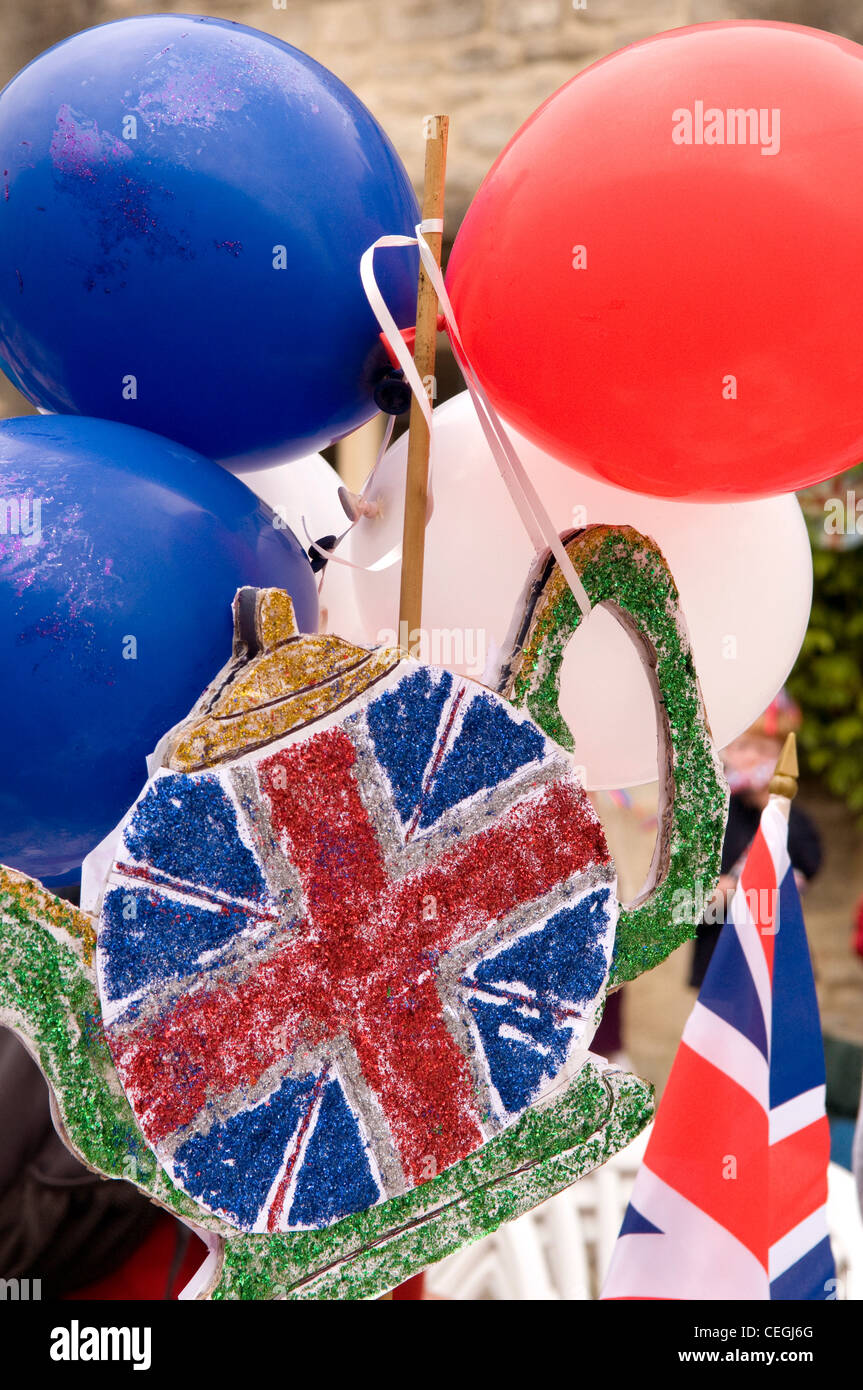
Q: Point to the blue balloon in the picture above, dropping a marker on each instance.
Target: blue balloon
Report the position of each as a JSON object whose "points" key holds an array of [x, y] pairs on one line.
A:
{"points": [[183, 207], [120, 553]]}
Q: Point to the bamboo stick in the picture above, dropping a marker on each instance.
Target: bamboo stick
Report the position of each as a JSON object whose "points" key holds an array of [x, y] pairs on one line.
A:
{"points": [[416, 492]]}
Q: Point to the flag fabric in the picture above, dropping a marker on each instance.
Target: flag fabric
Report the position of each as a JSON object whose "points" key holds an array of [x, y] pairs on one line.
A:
{"points": [[729, 1202]]}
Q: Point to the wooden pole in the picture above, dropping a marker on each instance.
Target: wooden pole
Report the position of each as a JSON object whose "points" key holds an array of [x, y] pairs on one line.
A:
{"points": [[416, 493]]}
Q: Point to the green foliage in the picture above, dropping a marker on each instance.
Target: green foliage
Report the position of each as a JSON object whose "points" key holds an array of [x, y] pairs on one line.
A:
{"points": [[827, 681]]}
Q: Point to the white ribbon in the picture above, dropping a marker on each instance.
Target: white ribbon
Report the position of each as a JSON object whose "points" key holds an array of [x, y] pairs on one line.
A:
{"points": [[391, 556], [406, 362], [536, 520], [385, 318]]}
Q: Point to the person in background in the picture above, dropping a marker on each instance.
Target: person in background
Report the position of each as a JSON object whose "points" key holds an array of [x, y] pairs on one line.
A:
{"points": [[82, 1236], [749, 763], [857, 939], [630, 823]]}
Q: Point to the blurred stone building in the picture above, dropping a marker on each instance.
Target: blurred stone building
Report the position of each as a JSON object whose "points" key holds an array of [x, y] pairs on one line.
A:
{"points": [[488, 63]]}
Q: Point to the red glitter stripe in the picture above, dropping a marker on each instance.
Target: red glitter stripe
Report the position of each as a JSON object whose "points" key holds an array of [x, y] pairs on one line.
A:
{"points": [[316, 804], [420, 1076], [278, 1202], [547, 840], [195, 890], [364, 963], [436, 762], [510, 996], [216, 1040]]}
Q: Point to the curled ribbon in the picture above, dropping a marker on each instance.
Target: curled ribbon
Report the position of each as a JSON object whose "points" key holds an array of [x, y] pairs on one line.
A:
{"points": [[391, 555], [389, 326], [535, 518]]}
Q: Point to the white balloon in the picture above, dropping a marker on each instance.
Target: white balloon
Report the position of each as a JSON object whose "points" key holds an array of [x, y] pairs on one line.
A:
{"points": [[304, 488], [743, 569], [308, 489]]}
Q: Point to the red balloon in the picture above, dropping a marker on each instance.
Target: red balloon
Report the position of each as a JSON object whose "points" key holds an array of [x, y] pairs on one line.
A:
{"points": [[661, 278]]}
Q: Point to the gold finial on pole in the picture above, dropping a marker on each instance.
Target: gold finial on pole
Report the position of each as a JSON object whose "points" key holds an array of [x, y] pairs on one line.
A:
{"points": [[786, 772]]}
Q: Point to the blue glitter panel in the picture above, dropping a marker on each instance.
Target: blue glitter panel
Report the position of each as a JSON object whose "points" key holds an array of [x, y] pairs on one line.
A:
{"points": [[565, 959], [526, 1039], [518, 1065], [187, 827], [336, 1178], [403, 724], [145, 937], [233, 1167], [490, 747]]}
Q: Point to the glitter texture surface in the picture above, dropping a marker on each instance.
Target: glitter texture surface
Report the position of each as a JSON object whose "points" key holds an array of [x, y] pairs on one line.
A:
{"points": [[47, 994], [347, 977], [550, 1147], [400, 946], [277, 682], [627, 572]]}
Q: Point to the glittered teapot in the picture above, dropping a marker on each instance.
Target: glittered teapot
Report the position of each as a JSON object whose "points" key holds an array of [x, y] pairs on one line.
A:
{"points": [[354, 939]]}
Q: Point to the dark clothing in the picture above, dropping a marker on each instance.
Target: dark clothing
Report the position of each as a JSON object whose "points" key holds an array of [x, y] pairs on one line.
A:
{"points": [[804, 851], [608, 1038], [59, 1222]]}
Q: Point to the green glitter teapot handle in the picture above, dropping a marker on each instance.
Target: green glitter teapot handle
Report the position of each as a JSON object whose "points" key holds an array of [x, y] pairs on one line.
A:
{"points": [[626, 573]]}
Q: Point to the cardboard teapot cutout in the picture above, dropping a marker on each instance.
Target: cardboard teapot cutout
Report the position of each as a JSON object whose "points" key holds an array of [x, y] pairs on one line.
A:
{"points": [[354, 942]]}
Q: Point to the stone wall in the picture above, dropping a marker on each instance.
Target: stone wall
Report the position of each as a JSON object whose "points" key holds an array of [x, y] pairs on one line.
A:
{"points": [[489, 63], [839, 16]]}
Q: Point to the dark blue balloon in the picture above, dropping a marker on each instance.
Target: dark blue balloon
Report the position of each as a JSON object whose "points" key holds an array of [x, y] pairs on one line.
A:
{"points": [[183, 207], [120, 553]]}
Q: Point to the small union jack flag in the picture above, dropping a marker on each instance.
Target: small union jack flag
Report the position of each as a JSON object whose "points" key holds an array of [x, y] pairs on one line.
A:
{"points": [[729, 1202], [338, 965]]}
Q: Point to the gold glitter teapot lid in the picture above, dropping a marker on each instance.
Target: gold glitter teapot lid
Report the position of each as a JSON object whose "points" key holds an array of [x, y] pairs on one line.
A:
{"points": [[277, 681]]}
